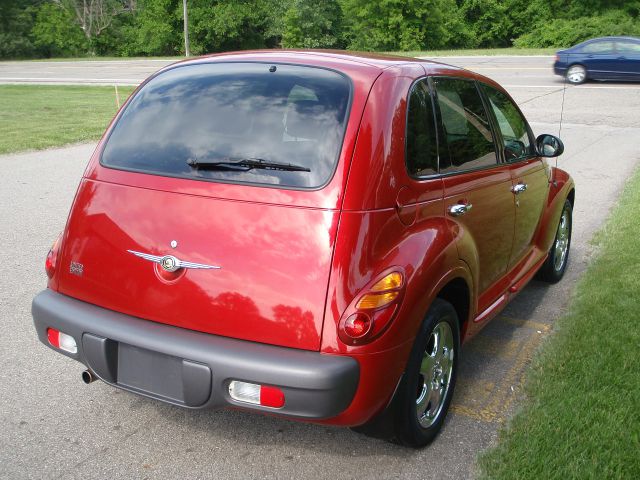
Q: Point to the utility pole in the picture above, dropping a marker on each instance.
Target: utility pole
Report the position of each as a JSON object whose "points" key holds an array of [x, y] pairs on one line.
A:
{"points": [[186, 28]]}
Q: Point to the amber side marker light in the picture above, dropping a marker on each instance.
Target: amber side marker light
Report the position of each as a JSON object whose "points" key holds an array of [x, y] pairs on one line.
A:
{"points": [[383, 292]]}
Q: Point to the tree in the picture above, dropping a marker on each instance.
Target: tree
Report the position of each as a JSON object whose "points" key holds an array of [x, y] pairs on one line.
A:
{"points": [[313, 24], [388, 25], [56, 33], [487, 21], [16, 21], [234, 24], [155, 30], [95, 16]]}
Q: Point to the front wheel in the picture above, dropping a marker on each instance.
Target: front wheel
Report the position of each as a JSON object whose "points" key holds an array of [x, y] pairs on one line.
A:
{"points": [[554, 267], [576, 74]]}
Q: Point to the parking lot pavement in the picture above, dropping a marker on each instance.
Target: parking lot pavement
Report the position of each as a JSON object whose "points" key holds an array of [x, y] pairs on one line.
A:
{"points": [[55, 426]]}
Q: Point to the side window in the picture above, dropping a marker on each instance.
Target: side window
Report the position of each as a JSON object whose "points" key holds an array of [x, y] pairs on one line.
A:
{"points": [[468, 140], [628, 47], [422, 148], [598, 47], [515, 135]]}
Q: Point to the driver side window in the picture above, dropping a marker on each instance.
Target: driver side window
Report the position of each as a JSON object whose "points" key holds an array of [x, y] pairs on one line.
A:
{"points": [[515, 134]]}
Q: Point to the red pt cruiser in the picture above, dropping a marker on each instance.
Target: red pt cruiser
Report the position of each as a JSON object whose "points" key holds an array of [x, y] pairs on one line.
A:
{"points": [[307, 234]]}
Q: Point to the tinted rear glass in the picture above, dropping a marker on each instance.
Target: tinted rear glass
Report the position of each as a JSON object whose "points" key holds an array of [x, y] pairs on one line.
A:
{"points": [[230, 113], [467, 133], [422, 145]]}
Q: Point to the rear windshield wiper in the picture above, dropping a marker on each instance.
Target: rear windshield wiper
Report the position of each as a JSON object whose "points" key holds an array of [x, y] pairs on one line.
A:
{"points": [[245, 165]]}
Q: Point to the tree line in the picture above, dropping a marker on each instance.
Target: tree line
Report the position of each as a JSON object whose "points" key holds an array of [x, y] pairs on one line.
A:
{"points": [[64, 28]]}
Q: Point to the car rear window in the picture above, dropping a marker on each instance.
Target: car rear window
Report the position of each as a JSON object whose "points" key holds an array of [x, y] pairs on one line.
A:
{"points": [[255, 123]]}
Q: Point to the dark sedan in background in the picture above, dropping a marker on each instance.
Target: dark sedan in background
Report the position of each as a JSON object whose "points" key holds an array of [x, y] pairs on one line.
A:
{"points": [[606, 58]]}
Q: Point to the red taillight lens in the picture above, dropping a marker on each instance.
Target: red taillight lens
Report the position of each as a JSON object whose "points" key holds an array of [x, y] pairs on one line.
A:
{"points": [[271, 397], [357, 325], [54, 337], [52, 257]]}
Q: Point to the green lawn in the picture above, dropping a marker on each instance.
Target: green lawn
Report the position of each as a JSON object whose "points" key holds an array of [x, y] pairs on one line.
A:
{"points": [[581, 419], [481, 51], [34, 117]]}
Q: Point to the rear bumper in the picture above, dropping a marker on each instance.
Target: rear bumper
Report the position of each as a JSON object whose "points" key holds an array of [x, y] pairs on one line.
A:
{"points": [[193, 369], [559, 68]]}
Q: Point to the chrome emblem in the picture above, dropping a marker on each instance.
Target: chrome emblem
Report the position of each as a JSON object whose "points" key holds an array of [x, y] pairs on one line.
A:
{"points": [[173, 243], [171, 263]]}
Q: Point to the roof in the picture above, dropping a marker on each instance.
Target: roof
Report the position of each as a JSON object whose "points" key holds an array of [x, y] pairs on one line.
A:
{"points": [[379, 60]]}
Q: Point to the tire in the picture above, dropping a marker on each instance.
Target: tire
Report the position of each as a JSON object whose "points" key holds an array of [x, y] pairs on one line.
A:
{"points": [[413, 419], [576, 74], [554, 267]]}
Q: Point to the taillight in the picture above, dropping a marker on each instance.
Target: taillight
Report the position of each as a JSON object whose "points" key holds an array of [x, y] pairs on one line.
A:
{"points": [[255, 394], [357, 325], [52, 257], [62, 341], [373, 311]]}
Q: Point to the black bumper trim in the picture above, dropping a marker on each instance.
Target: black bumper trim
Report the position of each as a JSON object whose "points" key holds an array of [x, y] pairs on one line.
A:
{"points": [[316, 386]]}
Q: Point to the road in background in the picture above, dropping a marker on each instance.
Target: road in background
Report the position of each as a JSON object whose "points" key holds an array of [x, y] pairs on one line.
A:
{"points": [[55, 426]]}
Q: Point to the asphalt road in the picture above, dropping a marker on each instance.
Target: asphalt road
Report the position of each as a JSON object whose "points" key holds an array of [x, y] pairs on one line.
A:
{"points": [[55, 426]]}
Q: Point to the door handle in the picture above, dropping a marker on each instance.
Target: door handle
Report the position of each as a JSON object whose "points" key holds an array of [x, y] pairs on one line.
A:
{"points": [[459, 209], [519, 188]]}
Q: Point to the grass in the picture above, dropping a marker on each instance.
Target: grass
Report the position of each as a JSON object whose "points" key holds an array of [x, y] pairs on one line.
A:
{"points": [[582, 416], [480, 51], [33, 117]]}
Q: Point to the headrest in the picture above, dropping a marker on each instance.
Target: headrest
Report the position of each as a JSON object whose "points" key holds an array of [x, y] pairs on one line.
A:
{"points": [[306, 119]]}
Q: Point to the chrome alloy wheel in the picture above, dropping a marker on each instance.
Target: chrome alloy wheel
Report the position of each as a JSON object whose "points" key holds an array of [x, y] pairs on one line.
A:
{"points": [[435, 374], [562, 242], [576, 74]]}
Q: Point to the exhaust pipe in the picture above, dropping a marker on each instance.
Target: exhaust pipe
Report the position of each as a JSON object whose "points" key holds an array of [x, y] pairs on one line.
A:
{"points": [[88, 377]]}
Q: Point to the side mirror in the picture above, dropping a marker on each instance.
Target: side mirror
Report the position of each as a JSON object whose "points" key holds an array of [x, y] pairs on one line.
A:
{"points": [[549, 146]]}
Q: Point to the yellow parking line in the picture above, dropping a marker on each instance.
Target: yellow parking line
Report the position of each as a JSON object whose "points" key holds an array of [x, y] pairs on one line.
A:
{"points": [[544, 327], [494, 400]]}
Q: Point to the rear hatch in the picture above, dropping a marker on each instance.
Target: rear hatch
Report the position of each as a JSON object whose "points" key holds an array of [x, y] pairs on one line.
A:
{"points": [[168, 237]]}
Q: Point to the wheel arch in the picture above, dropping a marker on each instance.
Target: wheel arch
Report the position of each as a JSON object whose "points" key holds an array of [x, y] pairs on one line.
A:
{"points": [[562, 188], [457, 292], [571, 196]]}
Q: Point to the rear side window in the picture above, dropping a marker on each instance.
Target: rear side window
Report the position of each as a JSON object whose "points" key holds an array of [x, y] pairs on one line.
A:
{"points": [[468, 139], [235, 122], [628, 47], [598, 47], [422, 148], [513, 126]]}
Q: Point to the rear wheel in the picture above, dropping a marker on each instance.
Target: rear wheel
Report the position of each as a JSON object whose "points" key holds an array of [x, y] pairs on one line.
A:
{"points": [[554, 267], [576, 74], [422, 399]]}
